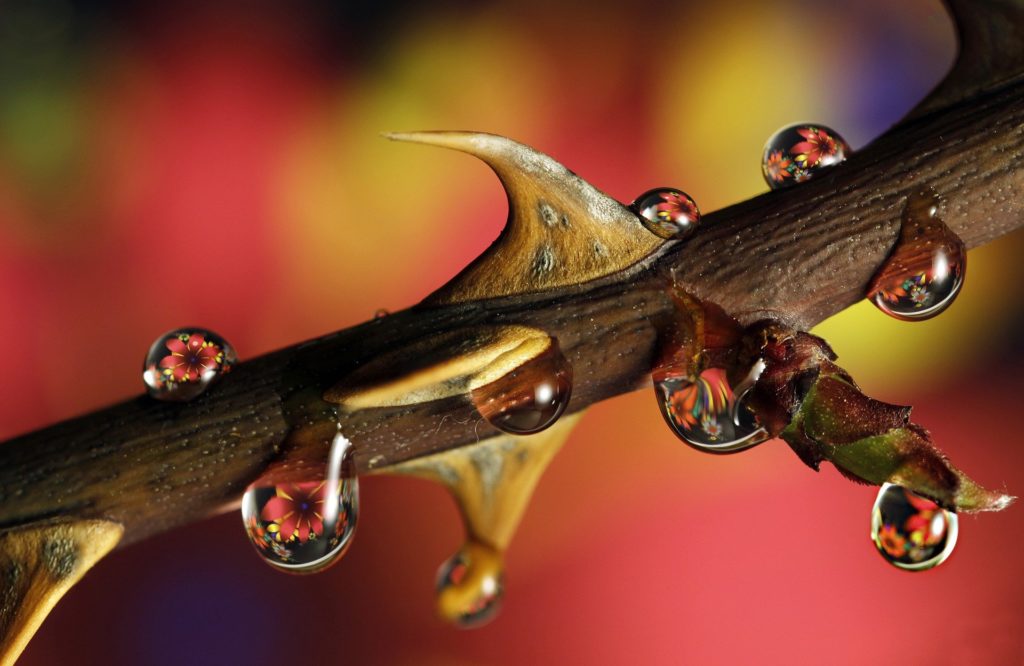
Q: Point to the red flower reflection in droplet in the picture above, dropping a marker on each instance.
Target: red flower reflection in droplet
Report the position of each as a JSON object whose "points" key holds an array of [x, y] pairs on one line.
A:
{"points": [[777, 166], [297, 508], [818, 144], [890, 539], [676, 207], [190, 358]]}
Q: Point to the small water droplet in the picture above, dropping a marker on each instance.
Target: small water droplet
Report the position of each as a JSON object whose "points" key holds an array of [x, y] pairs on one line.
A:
{"points": [[911, 532], [184, 363], [380, 313], [707, 413], [667, 212], [925, 270], [305, 526], [470, 586], [797, 153], [531, 397]]}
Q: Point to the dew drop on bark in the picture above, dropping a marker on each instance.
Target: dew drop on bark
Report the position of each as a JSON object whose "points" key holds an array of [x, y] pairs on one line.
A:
{"points": [[529, 398], [667, 212], [797, 153], [707, 413], [183, 363], [304, 526], [911, 532], [924, 271]]}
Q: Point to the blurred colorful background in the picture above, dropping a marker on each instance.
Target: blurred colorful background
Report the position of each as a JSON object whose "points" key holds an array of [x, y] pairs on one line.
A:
{"points": [[220, 164]]}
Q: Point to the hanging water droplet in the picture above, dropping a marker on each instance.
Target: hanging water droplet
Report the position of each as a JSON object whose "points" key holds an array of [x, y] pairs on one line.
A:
{"points": [[798, 152], [667, 212], [925, 270], [183, 363], [707, 413], [470, 586], [531, 397], [911, 532], [305, 526]]}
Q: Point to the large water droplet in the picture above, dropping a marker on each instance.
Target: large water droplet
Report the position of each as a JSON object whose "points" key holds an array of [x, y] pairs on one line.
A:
{"points": [[531, 397], [707, 413], [799, 152], [470, 586], [183, 363], [925, 270], [305, 526], [667, 212], [911, 532]]}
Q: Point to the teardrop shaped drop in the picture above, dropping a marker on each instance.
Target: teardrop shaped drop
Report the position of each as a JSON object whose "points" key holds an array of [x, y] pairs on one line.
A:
{"points": [[925, 270], [707, 413], [304, 527], [470, 586], [797, 153], [183, 363], [911, 532], [667, 212], [531, 397]]}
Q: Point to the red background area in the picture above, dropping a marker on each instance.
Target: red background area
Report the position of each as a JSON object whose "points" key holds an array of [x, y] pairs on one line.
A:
{"points": [[222, 166]]}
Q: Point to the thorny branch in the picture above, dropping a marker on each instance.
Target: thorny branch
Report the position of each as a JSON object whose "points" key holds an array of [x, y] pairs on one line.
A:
{"points": [[797, 255]]}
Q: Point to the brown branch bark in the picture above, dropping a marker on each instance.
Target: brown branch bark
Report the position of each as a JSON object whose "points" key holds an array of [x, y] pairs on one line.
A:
{"points": [[798, 255]]}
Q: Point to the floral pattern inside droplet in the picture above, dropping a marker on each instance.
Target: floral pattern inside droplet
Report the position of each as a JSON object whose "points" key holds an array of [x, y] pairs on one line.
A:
{"points": [[911, 532], [796, 153], [706, 413], [667, 212], [924, 272], [304, 526], [184, 363]]}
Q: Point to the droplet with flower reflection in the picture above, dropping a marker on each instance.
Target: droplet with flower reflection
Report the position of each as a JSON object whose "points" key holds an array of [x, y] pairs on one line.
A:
{"points": [[667, 212], [471, 585], [925, 270], [707, 413], [305, 526], [797, 153], [184, 363], [911, 532], [529, 398]]}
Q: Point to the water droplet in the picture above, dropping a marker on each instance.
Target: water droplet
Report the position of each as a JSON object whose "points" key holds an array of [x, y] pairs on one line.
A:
{"points": [[531, 397], [185, 362], [380, 313], [707, 413], [798, 152], [305, 526], [911, 532], [925, 270], [667, 212], [470, 586]]}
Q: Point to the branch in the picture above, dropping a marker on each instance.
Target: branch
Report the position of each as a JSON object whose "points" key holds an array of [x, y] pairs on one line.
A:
{"points": [[797, 255]]}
